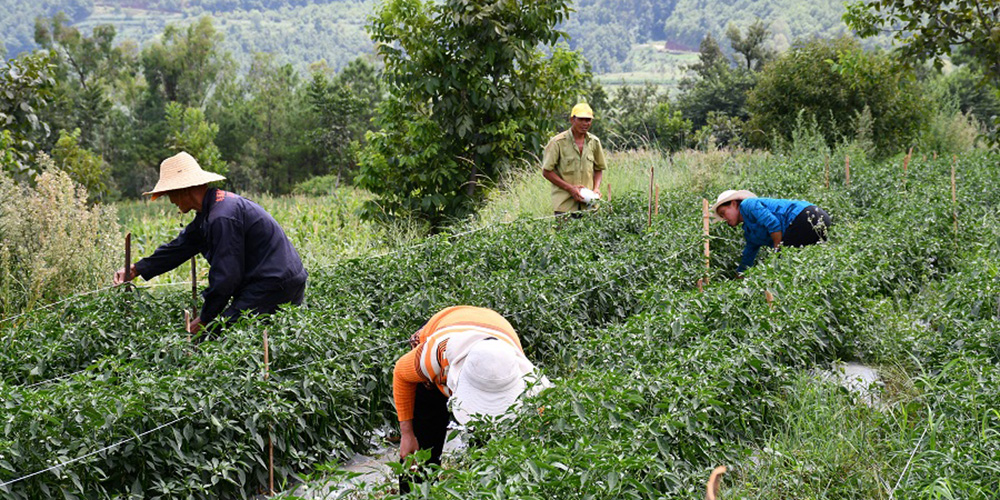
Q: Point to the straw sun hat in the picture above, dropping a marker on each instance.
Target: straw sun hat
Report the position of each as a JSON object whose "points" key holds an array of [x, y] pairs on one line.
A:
{"points": [[726, 197], [490, 378], [181, 171]]}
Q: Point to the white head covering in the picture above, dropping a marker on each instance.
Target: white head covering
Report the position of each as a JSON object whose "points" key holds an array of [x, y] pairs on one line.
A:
{"points": [[489, 379], [726, 197]]}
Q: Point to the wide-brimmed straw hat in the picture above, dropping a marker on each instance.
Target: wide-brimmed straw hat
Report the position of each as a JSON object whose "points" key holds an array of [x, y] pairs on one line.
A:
{"points": [[726, 197], [489, 380], [181, 171]]}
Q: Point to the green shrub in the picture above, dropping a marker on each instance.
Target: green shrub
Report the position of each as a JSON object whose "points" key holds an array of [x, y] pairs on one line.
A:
{"points": [[54, 243]]}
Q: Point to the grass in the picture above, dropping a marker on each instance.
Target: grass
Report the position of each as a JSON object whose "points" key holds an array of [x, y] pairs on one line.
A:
{"points": [[323, 229]]}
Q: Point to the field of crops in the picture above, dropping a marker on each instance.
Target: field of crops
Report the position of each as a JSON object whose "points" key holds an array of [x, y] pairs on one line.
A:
{"points": [[656, 383]]}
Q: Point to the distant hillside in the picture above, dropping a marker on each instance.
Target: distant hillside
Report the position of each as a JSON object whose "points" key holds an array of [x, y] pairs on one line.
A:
{"points": [[301, 32]]}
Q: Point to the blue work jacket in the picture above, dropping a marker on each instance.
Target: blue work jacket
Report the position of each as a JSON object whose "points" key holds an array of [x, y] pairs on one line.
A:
{"points": [[245, 247], [761, 217]]}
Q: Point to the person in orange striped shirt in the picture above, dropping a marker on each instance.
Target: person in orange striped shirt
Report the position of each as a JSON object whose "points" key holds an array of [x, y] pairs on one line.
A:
{"points": [[473, 356]]}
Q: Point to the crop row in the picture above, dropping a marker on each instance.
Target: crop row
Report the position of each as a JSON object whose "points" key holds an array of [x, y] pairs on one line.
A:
{"points": [[603, 303]]}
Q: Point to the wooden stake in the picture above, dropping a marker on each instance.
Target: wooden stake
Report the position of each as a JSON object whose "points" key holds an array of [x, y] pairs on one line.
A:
{"points": [[651, 177], [701, 285], [769, 298], [608, 187], [826, 170], [705, 219], [270, 444], [954, 194], [935, 155], [847, 170], [194, 285], [128, 256]]}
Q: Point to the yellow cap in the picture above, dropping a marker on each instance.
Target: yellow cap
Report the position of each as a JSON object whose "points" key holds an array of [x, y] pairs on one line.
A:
{"points": [[582, 110]]}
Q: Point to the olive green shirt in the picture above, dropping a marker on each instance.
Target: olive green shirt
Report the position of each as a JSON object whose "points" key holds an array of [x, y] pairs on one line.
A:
{"points": [[574, 166]]}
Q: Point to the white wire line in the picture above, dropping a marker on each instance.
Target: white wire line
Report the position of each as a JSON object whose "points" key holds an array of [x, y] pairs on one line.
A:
{"points": [[914, 452], [91, 292], [49, 381], [106, 448]]}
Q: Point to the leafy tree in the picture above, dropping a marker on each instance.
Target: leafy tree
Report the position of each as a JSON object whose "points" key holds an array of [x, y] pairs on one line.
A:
{"points": [[753, 45], [26, 84], [470, 95], [342, 109], [926, 29], [717, 86], [184, 65], [187, 130], [84, 167], [87, 71], [641, 117], [834, 81]]}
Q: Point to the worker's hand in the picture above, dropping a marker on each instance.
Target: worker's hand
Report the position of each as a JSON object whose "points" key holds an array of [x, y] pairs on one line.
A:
{"points": [[597, 191], [407, 439], [576, 193], [415, 339], [194, 326], [121, 277]]}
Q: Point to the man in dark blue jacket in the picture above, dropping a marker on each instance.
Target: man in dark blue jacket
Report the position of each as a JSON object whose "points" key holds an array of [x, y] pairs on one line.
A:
{"points": [[252, 262]]}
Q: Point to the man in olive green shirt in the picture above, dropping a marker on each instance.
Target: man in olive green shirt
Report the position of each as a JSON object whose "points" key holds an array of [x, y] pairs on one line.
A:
{"points": [[574, 160]]}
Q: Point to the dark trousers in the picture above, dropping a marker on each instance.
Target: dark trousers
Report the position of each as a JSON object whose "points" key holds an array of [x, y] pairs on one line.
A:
{"points": [[808, 228], [260, 300], [430, 426]]}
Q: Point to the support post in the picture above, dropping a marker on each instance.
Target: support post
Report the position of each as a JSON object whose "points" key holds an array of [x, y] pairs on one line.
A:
{"points": [[954, 193], [651, 177], [128, 256], [705, 219], [194, 285], [607, 186], [847, 170], [826, 170], [270, 444]]}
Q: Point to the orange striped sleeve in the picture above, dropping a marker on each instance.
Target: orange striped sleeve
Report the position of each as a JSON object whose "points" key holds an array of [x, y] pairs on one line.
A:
{"points": [[405, 378]]}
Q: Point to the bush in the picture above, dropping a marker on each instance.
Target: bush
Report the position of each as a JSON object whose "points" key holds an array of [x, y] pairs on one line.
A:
{"points": [[52, 243], [834, 81]]}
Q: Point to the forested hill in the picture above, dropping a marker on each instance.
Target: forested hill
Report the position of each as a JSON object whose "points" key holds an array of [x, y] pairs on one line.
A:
{"points": [[306, 31]]}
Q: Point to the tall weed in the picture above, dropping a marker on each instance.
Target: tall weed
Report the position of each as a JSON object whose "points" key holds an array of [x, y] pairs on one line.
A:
{"points": [[53, 242]]}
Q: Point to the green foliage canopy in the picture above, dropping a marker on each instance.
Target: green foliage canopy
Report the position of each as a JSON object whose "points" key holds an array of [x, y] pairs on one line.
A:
{"points": [[834, 82], [470, 94]]}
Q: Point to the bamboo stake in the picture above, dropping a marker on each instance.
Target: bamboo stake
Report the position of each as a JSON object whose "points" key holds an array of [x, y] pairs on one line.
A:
{"points": [[935, 155], [608, 187], [705, 216], [847, 170], [270, 444], [826, 170], [128, 257], [701, 285], [194, 285], [651, 177], [954, 194], [906, 160]]}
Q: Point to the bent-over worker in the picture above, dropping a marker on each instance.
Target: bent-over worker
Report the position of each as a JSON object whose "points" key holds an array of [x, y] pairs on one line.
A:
{"points": [[252, 262], [772, 222], [469, 354]]}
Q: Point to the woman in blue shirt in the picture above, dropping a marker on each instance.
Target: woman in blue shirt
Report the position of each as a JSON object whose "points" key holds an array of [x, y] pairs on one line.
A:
{"points": [[768, 221]]}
